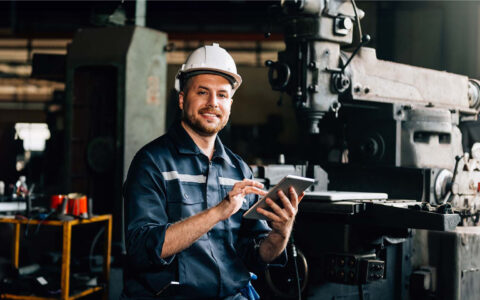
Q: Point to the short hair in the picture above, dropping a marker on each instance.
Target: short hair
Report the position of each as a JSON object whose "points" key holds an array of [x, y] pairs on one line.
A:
{"points": [[185, 84]]}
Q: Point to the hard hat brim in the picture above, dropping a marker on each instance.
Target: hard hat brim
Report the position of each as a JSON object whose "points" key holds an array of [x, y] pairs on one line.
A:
{"points": [[237, 78]]}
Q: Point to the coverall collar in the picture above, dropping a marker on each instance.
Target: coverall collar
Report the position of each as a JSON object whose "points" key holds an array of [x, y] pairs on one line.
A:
{"points": [[185, 144]]}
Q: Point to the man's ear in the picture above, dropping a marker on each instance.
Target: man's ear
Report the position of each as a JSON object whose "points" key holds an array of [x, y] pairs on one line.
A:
{"points": [[180, 100]]}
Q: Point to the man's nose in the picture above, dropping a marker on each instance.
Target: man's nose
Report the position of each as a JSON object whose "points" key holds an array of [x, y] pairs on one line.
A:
{"points": [[213, 100]]}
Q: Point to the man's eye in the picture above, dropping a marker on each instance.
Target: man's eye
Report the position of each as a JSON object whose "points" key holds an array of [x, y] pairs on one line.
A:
{"points": [[202, 93], [222, 95]]}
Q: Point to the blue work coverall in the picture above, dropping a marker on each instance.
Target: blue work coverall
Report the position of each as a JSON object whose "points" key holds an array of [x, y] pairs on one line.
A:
{"points": [[170, 179]]}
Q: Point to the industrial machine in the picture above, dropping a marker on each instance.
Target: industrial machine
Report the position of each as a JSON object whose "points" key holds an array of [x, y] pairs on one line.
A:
{"points": [[115, 104], [391, 137], [374, 126]]}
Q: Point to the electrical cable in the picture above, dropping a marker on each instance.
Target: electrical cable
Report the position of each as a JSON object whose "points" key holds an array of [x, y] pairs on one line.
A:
{"points": [[360, 291], [357, 20], [294, 254], [43, 221], [92, 247], [362, 39], [29, 219]]}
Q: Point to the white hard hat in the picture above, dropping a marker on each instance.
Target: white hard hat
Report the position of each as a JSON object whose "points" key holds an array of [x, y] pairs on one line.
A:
{"points": [[210, 59]]}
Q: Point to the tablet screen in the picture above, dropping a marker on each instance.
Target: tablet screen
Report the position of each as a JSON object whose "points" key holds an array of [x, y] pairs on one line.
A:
{"points": [[299, 183]]}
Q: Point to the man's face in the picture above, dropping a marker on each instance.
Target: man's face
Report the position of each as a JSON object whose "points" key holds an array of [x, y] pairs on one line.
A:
{"points": [[206, 103]]}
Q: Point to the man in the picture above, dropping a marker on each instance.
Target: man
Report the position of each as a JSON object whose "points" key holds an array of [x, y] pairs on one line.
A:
{"points": [[185, 195]]}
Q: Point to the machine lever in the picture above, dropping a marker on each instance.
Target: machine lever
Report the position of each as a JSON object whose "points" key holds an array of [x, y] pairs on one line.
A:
{"points": [[365, 39]]}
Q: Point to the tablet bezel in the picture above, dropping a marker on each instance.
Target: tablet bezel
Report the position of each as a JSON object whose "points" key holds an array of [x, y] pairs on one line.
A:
{"points": [[299, 183]]}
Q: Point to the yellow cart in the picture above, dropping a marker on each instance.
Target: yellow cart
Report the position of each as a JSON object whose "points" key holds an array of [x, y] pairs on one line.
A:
{"points": [[66, 251]]}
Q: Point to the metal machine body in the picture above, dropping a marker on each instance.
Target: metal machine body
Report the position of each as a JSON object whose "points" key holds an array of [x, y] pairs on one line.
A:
{"points": [[116, 103], [395, 129]]}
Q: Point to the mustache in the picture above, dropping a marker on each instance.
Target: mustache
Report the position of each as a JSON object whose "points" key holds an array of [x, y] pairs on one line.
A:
{"points": [[210, 110]]}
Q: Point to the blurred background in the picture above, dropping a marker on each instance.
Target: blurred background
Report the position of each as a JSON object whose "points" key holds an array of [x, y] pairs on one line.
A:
{"points": [[63, 118]]}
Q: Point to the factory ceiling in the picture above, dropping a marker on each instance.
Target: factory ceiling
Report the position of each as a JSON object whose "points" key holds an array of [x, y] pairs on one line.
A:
{"points": [[63, 18]]}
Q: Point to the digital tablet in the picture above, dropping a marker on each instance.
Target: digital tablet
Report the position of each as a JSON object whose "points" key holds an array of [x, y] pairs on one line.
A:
{"points": [[299, 183]]}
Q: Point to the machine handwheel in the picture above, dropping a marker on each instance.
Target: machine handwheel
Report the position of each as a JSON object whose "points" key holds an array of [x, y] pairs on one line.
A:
{"points": [[282, 280]]}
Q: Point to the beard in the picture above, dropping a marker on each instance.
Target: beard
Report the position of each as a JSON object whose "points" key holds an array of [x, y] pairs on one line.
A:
{"points": [[203, 127]]}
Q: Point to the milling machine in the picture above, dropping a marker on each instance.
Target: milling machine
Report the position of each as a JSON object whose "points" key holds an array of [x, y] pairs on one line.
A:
{"points": [[371, 128]]}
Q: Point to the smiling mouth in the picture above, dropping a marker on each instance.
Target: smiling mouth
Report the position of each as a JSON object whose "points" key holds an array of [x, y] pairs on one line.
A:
{"points": [[210, 114]]}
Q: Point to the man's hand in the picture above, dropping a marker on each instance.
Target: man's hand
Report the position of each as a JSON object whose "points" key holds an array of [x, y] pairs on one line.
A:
{"points": [[182, 234], [281, 221], [232, 203], [282, 218]]}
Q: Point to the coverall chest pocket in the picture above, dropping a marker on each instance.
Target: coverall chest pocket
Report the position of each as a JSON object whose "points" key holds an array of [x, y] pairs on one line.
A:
{"points": [[185, 200], [235, 220]]}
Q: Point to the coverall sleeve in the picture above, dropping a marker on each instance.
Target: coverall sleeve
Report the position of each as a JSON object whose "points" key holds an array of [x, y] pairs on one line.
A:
{"points": [[146, 220], [251, 234]]}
